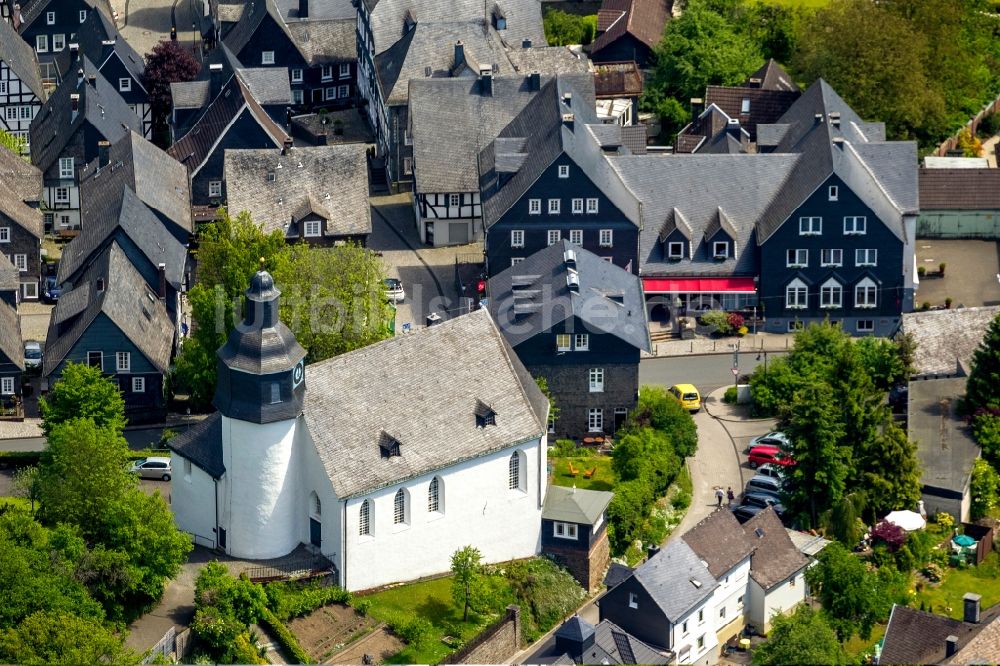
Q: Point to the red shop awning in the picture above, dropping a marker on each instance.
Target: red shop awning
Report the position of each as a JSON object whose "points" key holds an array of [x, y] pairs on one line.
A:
{"points": [[697, 285]]}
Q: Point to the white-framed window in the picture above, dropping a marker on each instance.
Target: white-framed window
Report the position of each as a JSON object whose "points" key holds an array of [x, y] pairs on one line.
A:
{"points": [[831, 294], [810, 226], [633, 600], [41, 43], [434, 496], [21, 262], [564, 530], [576, 236], [865, 294], [4, 234], [345, 70], [577, 206], [856, 225], [866, 257], [330, 93], [595, 419], [606, 238], [832, 193], [327, 72], [83, 15], [10, 112], [563, 342], [534, 206], [831, 257], [554, 206], [745, 105], [50, 18], [517, 237], [215, 188], [7, 385], [58, 42], [514, 471], [65, 167], [365, 518], [720, 249], [138, 385], [675, 250], [297, 75], [592, 206], [26, 112], [3, 87], [595, 377], [345, 91], [125, 84], [581, 342], [62, 195], [313, 228], [123, 361], [797, 258], [297, 96], [29, 289], [796, 295], [454, 200], [722, 612], [554, 236], [701, 642], [564, 171], [399, 507], [267, 57], [866, 326], [514, 261]]}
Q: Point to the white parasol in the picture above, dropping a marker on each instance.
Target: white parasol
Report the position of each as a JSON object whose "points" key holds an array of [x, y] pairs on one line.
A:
{"points": [[908, 520]]}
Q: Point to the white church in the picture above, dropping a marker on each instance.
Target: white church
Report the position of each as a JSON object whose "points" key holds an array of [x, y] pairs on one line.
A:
{"points": [[397, 455]]}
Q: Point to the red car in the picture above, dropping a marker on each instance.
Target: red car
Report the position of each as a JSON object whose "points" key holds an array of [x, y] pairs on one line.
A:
{"points": [[760, 455]]}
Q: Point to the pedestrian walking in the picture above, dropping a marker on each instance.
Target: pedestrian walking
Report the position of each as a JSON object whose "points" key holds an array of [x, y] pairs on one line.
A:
{"points": [[184, 329], [730, 496], [719, 495]]}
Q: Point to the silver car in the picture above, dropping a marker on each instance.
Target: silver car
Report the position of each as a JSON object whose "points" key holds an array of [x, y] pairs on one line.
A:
{"points": [[152, 468], [394, 290]]}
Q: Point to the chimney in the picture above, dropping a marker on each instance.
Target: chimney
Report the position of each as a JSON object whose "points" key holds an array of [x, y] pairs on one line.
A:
{"points": [[286, 146], [103, 154], [303, 9], [92, 80], [74, 52], [819, 118], [569, 258], [486, 81], [733, 129], [950, 646], [525, 43], [459, 53], [215, 74], [568, 120], [534, 82], [161, 289], [74, 105], [567, 99], [79, 77], [651, 551], [971, 606], [697, 106], [573, 282]]}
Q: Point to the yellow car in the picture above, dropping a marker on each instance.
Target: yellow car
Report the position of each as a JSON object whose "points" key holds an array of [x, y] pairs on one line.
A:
{"points": [[688, 395]]}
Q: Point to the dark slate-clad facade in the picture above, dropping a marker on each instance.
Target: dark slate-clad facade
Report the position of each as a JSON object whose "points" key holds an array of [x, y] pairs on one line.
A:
{"points": [[50, 26], [21, 89]]}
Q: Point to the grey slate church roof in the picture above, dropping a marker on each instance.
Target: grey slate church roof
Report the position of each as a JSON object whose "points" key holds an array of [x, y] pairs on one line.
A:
{"points": [[423, 389], [21, 59], [610, 299], [202, 445], [676, 579], [331, 181]]}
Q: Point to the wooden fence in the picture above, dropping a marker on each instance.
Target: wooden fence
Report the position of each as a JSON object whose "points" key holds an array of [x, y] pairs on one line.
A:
{"points": [[972, 126]]}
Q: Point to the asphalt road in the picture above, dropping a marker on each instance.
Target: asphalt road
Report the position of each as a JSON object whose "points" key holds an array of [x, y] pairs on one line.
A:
{"points": [[142, 438], [707, 372]]}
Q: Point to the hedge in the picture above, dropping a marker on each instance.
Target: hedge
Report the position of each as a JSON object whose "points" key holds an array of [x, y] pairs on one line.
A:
{"points": [[288, 600], [285, 637]]}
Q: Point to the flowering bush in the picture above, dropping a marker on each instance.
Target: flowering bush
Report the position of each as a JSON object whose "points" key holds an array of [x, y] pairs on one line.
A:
{"points": [[735, 320], [892, 535]]}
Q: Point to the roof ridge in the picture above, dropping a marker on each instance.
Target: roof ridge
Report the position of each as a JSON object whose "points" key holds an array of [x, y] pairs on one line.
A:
{"points": [[875, 178]]}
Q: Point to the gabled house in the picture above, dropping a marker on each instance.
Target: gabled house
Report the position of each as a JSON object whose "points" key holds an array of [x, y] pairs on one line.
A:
{"points": [[763, 98], [49, 26], [234, 119], [157, 179], [575, 532], [713, 131], [21, 91], [21, 240], [577, 641], [917, 637], [81, 113], [546, 178], [11, 342], [617, 88], [629, 30], [777, 571], [580, 322], [111, 319], [319, 194], [190, 99]]}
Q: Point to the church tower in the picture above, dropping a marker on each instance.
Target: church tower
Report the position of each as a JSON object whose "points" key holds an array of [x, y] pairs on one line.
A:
{"points": [[259, 394]]}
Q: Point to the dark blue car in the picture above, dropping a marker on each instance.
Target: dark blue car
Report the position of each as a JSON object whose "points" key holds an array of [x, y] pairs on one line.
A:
{"points": [[52, 290]]}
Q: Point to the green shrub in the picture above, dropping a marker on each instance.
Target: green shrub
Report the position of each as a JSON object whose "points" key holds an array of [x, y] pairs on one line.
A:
{"points": [[564, 448], [415, 631], [729, 397], [546, 593], [682, 500], [989, 125], [288, 600], [719, 320], [362, 606], [286, 638]]}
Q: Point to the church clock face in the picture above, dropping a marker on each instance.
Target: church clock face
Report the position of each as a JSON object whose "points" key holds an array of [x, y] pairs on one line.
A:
{"points": [[298, 373]]}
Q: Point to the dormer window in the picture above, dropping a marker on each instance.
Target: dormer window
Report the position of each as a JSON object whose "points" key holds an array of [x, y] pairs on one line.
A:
{"points": [[745, 105], [675, 250], [720, 250], [485, 415], [388, 445]]}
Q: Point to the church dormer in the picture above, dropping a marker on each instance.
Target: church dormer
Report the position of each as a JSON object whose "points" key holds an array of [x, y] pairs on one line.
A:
{"points": [[261, 371]]}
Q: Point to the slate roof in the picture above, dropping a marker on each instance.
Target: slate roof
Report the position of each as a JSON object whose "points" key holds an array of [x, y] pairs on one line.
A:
{"points": [[267, 85], [575, 505], [14, 208], [197, 145], [547, 60], [945, 446], [946, 339], [422, 388], [643, 19], [616, 574], [771, 76], [103, 219], [20, 177], [21, 59], [669, 577], [959, 189], [617, 79], [808, 544], [253, 15], [202, 445], [100, 105], [917, 637], [190, 94], [126, 300], [766, 106], [34, 9], [775, 558], [719, 541], [91, 38], [319, 10], [325, 42], [11, 342], [611, 645], [983, 648], [10, 277], [533, 296], [159, 181], [331, 181]]}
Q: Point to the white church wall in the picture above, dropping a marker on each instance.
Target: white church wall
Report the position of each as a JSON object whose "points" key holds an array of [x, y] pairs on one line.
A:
{"points": [[315, 479], [479, 509], [193, 500]]}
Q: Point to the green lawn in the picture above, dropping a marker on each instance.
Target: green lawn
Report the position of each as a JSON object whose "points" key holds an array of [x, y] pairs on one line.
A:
{"points": [[983, 579], [432, 601], [856, 647], [603, 478]]}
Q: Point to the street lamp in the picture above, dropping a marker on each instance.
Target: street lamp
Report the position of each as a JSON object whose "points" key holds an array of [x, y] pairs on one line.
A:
{"points": [[736, 364], [765, 361]]}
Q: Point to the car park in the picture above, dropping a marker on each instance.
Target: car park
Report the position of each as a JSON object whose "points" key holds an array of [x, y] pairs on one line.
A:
{"points": [[775, 438], [394, 290], [152, 468], [761, 455], [688, 395], [764, 500]]}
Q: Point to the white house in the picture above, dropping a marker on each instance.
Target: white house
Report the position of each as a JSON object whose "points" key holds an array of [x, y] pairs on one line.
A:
{"points": [[777, 571], [398, 454]]}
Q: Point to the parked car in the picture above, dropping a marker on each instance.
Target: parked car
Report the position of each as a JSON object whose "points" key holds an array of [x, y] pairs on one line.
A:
{"points": [[764, 484], [152, 468], [745, 512], [775, 438], [32, 354], [394, 290], [764, 500], [770, 469], [760, 455], [688, 395], [52, 290]]}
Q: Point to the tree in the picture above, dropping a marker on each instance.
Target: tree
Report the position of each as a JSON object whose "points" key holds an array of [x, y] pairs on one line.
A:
{"points": [[63, 638], [984, 488], [543, 386], [986, 430], [843, 520], [564, 29], [889, 471], [660, 410], [646, 455], [465, 566], [892, 535], [970, 145], [26, 485], [13, 142], [982, 390], [169, 62], [804, 637], [883, 361], [853, 597], [626, 514], [83, 392]]}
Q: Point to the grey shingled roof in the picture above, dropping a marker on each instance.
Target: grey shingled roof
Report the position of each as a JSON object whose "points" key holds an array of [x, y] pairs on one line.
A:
{"points": [[327, 41], [611, 645], [917, 637], [10, 277], [772, 76], [267, 85], [422, 388], [159, 181], [945, 446], [14, 209], [11, 342], [319, 10], [20, 177], [331, 179], [202, 445], [126, 300], [100, 105], [719, 541], [984, 648], [30, 11], [21, 59], [253, 15], [775, 558], [946, 339], [548, 60], [190, 94], [92, 38], [543, 277], [575, 505], [676, 579]]}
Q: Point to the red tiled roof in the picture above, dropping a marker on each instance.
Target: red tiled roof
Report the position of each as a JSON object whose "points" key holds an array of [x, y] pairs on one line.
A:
{"points": [[644, 20], [959, 189]]}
